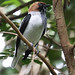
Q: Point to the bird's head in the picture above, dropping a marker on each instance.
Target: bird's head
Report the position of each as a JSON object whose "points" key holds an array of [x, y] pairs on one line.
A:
{"points": [[38, 6]]}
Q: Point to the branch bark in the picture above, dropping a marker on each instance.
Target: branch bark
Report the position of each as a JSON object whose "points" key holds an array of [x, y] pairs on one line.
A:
{"points": [[50, 67], [63, 35]]}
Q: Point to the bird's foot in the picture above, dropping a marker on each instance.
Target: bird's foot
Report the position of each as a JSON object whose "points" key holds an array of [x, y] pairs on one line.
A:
{"points": [[34, 49], [37, 52]]}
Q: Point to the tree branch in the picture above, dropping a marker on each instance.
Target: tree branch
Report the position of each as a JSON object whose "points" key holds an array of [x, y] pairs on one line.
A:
{"points": [[63, 35], [28, 43], [19, 7]]}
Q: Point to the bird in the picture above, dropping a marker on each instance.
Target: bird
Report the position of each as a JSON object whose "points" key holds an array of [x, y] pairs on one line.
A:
{"points": [[33, 27]]}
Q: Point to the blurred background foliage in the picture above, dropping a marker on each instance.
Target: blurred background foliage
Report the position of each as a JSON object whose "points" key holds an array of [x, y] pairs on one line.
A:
{"points": [[49, 44]]}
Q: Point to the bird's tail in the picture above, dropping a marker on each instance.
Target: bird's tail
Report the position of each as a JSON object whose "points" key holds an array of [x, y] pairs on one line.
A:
{"points": [[15, 61], [17, 57]]}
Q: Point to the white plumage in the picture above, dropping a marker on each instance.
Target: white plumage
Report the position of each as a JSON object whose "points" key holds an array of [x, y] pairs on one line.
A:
{"points": [[35, 28]]}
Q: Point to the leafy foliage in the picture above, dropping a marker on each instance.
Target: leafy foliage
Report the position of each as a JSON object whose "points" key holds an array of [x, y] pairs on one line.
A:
{"points": [[2, 1], [27, 61], [38, 62]]}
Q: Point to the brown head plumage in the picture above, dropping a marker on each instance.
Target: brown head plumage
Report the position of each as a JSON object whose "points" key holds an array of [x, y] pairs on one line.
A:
{"points": [[35, 6]]}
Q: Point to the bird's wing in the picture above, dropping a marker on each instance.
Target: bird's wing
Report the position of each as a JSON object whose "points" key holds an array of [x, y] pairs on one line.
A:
{"points": [[22, 29], [43, 31], [45, 25]]}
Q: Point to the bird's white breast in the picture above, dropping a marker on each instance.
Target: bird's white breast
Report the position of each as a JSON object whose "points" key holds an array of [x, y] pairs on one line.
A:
{"points": [[34, 28]]}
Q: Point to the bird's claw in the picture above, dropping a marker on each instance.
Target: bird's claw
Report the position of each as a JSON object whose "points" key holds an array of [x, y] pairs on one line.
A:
{"points": [[37, 53], [34, 50]]}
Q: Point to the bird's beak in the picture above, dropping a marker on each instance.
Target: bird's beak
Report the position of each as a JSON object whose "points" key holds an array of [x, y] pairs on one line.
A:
{"points": [[47, 5]]}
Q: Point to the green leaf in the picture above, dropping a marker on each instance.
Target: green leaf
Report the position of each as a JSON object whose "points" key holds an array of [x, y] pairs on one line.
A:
{"points": [[4, 53], [54, 56], [8, 71], [26, 61], [9, 50], [3, 26], [16, 2], [26, 0], [38, 62], [1, 1], [46, 40], [3, 57], [72, 40], [47, 1], [25, 9], [8, 36], [64, 69], [70, 14]]}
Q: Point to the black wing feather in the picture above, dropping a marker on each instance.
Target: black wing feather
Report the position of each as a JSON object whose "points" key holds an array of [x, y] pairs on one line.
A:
{"points": [[24, 23], [22, 29], [44, 20]]}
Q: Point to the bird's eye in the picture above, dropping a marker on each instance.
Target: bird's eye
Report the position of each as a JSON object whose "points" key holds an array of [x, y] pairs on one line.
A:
{"points": [[40, 5], [43, 7]]}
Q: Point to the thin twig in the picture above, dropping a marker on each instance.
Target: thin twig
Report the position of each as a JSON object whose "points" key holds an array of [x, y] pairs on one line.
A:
{"points": [[69, 24], [11, 33], [16, 17], [50, 67], [53, 49], [48, 37]]}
